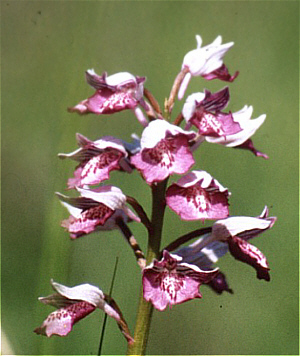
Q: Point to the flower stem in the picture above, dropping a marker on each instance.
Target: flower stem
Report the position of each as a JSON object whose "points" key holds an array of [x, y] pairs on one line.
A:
{"points": [[145, 309]]}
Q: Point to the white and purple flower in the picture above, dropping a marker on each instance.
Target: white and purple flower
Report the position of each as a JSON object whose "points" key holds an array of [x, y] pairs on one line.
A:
{"points": [[96, 160], [74, 304], [241, 139], [204, 111], [95, 209], [172, 281], [114, 93], [236, 231], [206, 62], [164, 150], [198, 195]]}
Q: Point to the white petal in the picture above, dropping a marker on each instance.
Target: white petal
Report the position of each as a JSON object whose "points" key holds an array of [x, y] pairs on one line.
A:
{"points": [[243, 116], [195, 176], [190, 105], [240, 137], [85, 292], [199, 41], [184, 85], [107, 195], [238, 224], [156, 131], [120, 79], [76, 212], [141, 117], [109, 141]]}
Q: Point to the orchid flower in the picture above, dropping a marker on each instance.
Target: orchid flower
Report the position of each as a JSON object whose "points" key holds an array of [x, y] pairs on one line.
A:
{"points": [[242, 139], [114, 93], [74, 304], [231, 234], [206, 62], [198, 195], [96, 160], [237, 230], [95, 209], [164, 151], [203, 111], [172, 281]]}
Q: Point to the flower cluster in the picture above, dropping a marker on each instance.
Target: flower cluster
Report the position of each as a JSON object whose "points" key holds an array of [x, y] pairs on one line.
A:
{"points": [[163, 149]]}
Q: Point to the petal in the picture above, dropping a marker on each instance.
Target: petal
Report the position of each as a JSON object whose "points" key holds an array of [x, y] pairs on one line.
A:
{"points": [[242, 226], [249, 127], [140, 116], [113, 82], [219, 284], [219, 125], [167, 157], [97, 169], [198, 196], [216, 101], [248, 145], [121, 80], [245, 252], [203, 257], [222, 74], [134, 146], [76, 180], [97, 81], [89, 221], [158, 130], [189, 106], [108, 195], [85, 292], [184, 85], [105, 102], [61, 321]]}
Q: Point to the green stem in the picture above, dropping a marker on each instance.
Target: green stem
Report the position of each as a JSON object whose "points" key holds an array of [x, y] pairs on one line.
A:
{"points": [[145, 309]]}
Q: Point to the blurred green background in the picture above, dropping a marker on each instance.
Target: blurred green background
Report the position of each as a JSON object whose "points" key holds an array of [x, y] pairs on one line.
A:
{"points": [[46, 48]]}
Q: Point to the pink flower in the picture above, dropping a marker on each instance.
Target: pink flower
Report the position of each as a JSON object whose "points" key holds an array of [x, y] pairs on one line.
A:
{"points": [[198, 195], [95, 209], [114, 93], [237, 230], [206, 62], [171, 281], [96, 160], [203, 111], [73, 305], [164, 151], [242, 139]]}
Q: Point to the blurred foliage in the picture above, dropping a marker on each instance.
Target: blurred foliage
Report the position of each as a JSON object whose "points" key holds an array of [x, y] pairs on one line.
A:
{"points": [[46, 47]]}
